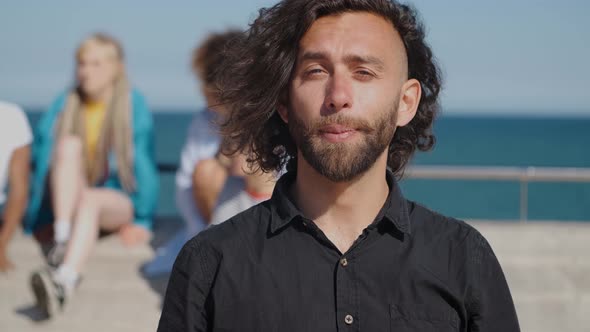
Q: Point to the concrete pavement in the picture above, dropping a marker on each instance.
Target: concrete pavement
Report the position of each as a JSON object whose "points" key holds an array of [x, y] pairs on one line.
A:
{"points": [[547, 266]]}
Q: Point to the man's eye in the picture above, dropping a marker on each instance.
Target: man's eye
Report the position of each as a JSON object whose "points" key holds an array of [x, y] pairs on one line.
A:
{"points": [[313, 72], [364, 74]]}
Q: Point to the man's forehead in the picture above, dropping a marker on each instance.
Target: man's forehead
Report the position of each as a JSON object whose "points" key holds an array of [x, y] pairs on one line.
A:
{"points": [[360, 33]]}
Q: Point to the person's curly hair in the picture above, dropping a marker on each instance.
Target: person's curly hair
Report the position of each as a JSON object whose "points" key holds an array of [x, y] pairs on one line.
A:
{"points": [[256, 77], [208, 56]]}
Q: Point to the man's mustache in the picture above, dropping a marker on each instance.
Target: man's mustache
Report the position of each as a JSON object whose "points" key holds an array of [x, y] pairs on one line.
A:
{"points": [[341, 120]]}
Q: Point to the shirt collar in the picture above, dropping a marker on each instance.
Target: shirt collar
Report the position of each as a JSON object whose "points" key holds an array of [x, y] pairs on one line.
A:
{"points": [[283, 210]]}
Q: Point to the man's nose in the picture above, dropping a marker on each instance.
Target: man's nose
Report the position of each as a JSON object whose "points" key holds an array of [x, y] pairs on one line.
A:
{"points": [[339, 93]]}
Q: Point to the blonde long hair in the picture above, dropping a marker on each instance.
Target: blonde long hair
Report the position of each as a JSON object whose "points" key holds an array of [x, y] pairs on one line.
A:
{"points": [[116, 133]]}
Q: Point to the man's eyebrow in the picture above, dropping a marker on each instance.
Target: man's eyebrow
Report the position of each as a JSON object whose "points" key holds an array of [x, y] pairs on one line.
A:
{"points": [[364, 59], [348, 59], [313, 56]]}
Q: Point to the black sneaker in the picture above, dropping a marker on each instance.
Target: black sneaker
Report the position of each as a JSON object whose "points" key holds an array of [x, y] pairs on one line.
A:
{"points": [[51, 295], [56, 254]]}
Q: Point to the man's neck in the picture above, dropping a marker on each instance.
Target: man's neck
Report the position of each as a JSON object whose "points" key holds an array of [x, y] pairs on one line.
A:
{"points": [[342, 210]]}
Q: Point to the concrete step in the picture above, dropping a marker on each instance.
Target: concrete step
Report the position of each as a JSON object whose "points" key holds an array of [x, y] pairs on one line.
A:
{"points": [[113, 295], [547, 266]]}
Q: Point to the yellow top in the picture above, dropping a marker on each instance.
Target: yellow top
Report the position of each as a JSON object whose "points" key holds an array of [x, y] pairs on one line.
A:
{"points": [[93, 117]]}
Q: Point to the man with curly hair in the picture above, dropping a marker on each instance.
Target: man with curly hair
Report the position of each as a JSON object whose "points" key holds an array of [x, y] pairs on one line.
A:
{"points": [[340, 93]]}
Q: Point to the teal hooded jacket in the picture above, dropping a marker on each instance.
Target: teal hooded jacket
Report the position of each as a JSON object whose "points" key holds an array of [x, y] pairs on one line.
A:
{"points": [[144, 198]]}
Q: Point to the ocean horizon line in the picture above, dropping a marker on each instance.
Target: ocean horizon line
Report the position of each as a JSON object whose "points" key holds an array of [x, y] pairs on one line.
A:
{"points": [[455, 113]]}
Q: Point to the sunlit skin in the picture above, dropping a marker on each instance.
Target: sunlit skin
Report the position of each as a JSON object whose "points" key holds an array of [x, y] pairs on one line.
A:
{"points": [[14, 208], [96, 71], [351, 71]]}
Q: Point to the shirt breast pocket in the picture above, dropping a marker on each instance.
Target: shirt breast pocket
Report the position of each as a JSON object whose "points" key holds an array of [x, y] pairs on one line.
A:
{"points": [[423, 318]]}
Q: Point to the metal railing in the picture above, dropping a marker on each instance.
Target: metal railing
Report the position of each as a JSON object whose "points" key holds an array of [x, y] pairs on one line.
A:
{"points": [[167, 167], [524, 175]]}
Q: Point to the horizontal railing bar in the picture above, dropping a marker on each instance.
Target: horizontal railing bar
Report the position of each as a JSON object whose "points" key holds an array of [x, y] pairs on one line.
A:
{"points": [[529, 174], [522, 174], [167, 167]]}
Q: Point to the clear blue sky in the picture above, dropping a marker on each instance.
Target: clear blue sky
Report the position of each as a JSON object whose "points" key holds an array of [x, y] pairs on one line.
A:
{"points": [[501, 56]]}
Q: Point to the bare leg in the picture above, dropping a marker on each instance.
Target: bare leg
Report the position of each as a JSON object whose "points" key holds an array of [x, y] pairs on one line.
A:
{"points": [[99, 208], [67, 178]]}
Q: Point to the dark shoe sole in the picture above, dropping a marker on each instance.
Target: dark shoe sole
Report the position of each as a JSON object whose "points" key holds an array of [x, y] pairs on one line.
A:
{"points": [[42, 285], [54, 259]]}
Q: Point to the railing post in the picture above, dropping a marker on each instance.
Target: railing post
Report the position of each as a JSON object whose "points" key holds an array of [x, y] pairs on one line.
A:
{"points": [[524, 192], [524, 199]]}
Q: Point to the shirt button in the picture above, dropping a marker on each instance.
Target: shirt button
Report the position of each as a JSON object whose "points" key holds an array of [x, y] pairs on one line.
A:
{"points": [[348, 319], [344, 262]]}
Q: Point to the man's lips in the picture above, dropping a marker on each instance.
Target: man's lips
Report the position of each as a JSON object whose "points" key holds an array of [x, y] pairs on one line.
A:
{"points": [[336, 133], [335, 129]]}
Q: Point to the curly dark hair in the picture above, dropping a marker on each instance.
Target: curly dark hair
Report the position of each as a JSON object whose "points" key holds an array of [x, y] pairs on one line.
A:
{"points": [[255, 80], [208, 56]]}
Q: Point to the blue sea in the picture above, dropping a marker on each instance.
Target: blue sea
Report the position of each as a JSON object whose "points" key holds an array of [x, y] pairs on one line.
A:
{"points": [[461, 141]]}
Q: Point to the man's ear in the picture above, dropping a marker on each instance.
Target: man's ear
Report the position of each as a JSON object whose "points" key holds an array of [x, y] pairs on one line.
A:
{"points": [[284, 105], [283, 112], [409, 100]]}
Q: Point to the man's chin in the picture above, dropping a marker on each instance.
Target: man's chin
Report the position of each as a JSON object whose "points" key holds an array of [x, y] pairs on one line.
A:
{"points": [[341, 177], [340, 169]]}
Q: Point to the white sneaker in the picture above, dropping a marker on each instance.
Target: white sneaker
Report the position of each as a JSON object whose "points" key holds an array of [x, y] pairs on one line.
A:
{"points": [[51, 295]]}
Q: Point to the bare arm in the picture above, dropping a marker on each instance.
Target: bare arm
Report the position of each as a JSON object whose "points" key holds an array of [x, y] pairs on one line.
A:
{"points": [[18, 181], [208, 179]]}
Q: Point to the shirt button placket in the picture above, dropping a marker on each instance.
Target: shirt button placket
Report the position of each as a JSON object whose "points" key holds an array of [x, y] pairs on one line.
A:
{"points": [[348, 319], [344, 262], [346, 288]]}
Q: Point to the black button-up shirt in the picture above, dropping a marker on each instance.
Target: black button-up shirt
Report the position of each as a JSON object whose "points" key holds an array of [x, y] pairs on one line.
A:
{"points": [[271, 269]]}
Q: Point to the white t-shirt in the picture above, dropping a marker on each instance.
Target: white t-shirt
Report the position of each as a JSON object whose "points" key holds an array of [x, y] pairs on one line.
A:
{"points": [[14, 133], [202, 142], [232, 200]]}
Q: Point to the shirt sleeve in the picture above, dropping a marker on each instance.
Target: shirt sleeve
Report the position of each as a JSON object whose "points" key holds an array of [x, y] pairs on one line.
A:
{"points": [[20, 129], [186, 304], [202, 142], [489, 303]]}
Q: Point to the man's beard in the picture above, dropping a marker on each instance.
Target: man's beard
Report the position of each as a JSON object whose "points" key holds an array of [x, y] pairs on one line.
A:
{"points": [[344, 161]]}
